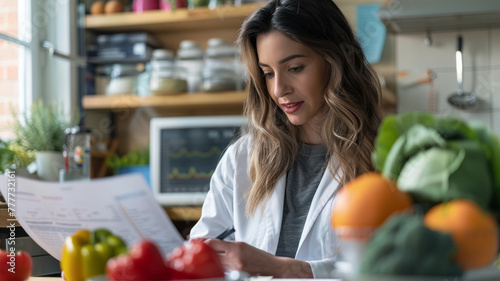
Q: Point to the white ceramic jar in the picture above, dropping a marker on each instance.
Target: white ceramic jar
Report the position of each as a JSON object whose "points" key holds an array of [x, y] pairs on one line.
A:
{"points": [[123, 80], [166, 78], [190, 58], [220, 72]]}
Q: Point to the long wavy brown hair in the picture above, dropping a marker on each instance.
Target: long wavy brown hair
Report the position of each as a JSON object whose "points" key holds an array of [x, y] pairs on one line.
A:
{"points": [[350, 116]]}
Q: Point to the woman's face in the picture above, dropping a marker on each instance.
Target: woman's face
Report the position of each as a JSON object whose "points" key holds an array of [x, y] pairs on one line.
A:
{"points": [[295, 76]]}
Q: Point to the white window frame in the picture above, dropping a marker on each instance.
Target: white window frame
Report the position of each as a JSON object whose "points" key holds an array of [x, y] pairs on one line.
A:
{"points": [[27, 61], [29, 89], [37, 69]]}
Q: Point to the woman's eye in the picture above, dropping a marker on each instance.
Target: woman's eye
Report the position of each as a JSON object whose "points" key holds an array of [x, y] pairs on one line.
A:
{"points": [[296, 69], [268, 75]]}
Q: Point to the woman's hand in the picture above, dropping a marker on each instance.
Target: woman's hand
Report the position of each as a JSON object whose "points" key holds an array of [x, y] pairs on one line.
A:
{"points": [[243, 257]]}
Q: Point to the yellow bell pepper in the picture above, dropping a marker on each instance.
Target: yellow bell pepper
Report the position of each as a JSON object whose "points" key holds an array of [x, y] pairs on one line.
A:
{"points": [[85, 253]]}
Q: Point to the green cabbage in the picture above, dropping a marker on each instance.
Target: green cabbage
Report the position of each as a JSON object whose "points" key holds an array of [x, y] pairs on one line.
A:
{"points": [[440, 159]]}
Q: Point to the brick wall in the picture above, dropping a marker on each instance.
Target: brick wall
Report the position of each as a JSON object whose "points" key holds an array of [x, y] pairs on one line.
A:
{"points": [[9, 88]]}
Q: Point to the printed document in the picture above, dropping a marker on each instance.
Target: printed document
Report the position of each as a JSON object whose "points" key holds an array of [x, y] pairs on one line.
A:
{"points": [[49, 211]]}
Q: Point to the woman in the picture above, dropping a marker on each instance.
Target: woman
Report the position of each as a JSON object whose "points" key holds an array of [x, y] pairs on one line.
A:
{"points": [[313, 103]]}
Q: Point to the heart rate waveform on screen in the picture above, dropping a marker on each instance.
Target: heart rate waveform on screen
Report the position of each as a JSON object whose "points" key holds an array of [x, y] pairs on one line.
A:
{"points": [[191, 174], [184, 152], [189, 156], [193, 164]]}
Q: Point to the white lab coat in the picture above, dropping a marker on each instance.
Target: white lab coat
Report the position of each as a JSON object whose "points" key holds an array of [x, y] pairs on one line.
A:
{"points": [[225, 205]]}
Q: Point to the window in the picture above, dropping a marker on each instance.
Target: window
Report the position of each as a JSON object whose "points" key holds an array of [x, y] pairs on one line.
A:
{"points": [[15, 61], [27, 72]]}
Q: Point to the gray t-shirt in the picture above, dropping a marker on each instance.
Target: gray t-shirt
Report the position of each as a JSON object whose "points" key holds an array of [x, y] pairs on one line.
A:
{"points": [[301, 183]]}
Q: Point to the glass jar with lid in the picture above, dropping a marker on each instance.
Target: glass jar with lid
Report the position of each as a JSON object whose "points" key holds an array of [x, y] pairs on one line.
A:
{"points": [[166, 78], [221, 71], [190, 58], [123, 79]]}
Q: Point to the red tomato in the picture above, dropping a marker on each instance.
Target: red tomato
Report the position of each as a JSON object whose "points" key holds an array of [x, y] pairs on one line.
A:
{"points": [[196, 259], [147, 256], [15, 267], [124, 268], [144, 262]]}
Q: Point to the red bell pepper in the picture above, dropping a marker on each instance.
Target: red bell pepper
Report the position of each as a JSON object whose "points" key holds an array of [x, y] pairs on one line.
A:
{"points": [[15, 266], [196, 259]]}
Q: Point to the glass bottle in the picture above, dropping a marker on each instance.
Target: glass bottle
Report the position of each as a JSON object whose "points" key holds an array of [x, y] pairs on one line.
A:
{"points": [[76, 154]]}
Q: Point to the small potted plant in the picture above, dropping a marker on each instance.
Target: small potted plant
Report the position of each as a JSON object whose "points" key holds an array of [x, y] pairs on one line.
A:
{"points": [[136, 161], [13, 156], [42, 130]]}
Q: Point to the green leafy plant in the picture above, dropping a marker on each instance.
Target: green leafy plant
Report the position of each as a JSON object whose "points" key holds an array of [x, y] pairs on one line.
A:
{"points": [[133, 158], [440, 159], [6, 156], [11, 153], [42, 129]]}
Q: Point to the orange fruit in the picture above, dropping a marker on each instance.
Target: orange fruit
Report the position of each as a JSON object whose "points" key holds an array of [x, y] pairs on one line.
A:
{"points": [[97, 8], [113, 6], [474, 231], [363, 204]]}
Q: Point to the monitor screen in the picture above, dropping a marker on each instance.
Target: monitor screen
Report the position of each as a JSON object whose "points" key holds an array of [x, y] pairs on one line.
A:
{"points": [[184, 154]]}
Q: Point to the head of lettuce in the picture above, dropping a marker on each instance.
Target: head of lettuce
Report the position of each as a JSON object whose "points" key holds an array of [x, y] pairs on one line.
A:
{"points": [[439, 159]]}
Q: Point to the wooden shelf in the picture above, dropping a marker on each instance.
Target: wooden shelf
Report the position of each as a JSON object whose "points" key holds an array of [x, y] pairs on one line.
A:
{"points": [[5, 217], [100, 154], [184, 101], [183, 213], [224, 17]]}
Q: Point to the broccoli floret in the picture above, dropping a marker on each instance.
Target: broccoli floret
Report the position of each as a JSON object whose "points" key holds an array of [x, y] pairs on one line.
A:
{"points": [[405, 246]]}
